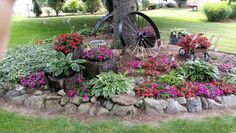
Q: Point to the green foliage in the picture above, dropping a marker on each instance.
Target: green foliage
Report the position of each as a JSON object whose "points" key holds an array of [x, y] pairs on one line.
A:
{"points": [[21, 61], [92, 6], [36, 9], [56, 5], [231, 78], [171, 79], [198, 71], [109, 84], [71, 6], [233, 13], [86, 32], [216, 12], [145, 4], [63, 66], [152, 6], [178, 32]]}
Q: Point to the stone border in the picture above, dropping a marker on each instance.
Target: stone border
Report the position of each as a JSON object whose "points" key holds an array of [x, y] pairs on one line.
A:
{"points": [[119, 105]]}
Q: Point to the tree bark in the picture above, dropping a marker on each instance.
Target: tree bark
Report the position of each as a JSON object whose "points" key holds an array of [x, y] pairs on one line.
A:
{"points": [[120, 9]]}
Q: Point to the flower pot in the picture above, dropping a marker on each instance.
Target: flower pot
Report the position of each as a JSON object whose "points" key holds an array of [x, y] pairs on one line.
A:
{"points": [[94, 68], [174, 40], [65, 83]]}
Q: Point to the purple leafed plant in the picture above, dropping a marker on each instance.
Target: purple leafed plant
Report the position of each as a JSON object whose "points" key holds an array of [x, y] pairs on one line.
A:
{"points": [[34, 80]]}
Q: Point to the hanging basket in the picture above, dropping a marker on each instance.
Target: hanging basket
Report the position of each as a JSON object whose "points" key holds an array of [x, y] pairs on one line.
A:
{"points": [[66, 83], [94, 68]]}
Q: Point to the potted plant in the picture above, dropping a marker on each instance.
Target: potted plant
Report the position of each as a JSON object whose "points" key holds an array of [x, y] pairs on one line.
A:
{"points": [[62, 72], [68, 43], [175, 34], [98, 60]]}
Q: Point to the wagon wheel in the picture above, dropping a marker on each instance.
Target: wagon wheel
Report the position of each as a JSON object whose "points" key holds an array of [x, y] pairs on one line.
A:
{"points": [[104, 25], [139, 35], [192, 55], [206, 56], [182, 52]]}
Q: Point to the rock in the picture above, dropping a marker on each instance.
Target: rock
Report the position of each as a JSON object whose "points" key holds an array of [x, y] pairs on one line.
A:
{"points": [[93, 99], [214, 105], [70, 108], [53, 105], [152, 106], [93, 110], [205, 104], [53, 97], [2, 92], [76, 100], [84, 107], [64, 100], [61, 92], [139, 104], [229, 101], [125, 99], [19, 87], [218, 99], [22, 92], [19, 100], [10, 94], [38, 93], [194, 104], [102, 111], [175, 107], [109, 105], [35, 102], [139, 80], [181, 100], [121, 110], [9, 86], [164, 103], [170, 100]]}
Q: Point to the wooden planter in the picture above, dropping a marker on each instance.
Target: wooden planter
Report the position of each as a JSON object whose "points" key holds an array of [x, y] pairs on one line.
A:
{"points": [[56, 84], [94, 68]]}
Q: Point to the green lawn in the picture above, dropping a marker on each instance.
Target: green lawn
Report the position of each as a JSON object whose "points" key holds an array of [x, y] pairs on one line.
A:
{"points": [[12, 123], [25, 30]]}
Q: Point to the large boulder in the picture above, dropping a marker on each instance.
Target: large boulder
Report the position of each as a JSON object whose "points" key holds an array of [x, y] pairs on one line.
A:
{"points": [[214, 105], [108, 105], [10, 94], [229, 101], [70, 108], [181, 100], [19, 100], [175, 107], [194, 104], [121, 110], [125, 99], [53, 106], [152, 106], [102, 111], [84, 107], [76, 100], [61, 92], [205, 104], [65, 100], [35, 102]]}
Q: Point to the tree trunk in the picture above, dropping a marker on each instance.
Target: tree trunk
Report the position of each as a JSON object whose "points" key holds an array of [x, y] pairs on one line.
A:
{"points": [[120, 8]]}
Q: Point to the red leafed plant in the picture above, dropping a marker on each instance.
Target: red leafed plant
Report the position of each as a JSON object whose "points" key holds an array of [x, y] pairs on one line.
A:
{"points": [[67, 43], [194, 41]]}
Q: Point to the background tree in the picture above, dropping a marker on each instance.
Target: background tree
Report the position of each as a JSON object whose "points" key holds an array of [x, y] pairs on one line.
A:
{"points": [[36, 9], [56, 5], [180, 3], [92, 6], [230, 1], [145, 4], [72, 5]]}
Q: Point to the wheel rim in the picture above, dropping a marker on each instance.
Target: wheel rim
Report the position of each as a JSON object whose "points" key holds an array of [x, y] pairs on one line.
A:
{"points": [[104, 21], [139, 35], [182, 52]]}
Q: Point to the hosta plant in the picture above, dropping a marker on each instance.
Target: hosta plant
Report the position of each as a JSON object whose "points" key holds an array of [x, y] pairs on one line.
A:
{"points": [[109, 84], [64, 65], [171, 79], [198, 71], [231, 78]]}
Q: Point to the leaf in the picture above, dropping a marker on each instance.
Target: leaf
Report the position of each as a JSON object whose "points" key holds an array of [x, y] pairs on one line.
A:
{"points": [[58, 72], [75, 67], [61, 55]]}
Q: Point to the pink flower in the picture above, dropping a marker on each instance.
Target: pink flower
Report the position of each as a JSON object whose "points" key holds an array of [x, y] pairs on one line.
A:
{"points": [[79, 80], [84, 88]]}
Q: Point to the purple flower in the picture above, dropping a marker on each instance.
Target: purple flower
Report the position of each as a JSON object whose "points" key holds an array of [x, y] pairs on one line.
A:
{"points": [[136, 64]]}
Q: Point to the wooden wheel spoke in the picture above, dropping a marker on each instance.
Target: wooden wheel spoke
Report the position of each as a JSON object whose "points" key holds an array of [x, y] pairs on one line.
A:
{"points": [[130, 29]]}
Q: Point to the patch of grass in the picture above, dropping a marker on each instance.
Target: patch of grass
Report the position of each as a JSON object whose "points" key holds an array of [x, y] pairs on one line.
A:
{"points": [[25, 30], [12, 123]]}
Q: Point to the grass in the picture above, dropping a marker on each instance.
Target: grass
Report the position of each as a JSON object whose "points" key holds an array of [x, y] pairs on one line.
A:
{"points": [[25, 30], [13, 123]]}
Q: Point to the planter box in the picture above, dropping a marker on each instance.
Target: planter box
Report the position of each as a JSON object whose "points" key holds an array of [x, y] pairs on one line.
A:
{"points": [[94, 68], [56, 84]]}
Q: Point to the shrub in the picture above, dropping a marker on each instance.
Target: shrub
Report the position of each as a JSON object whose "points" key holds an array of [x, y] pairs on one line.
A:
{"points": [[21, 61], [198, 71], [109, 84], [145, 4], [216, 12], [233, 13], [56, 5], [152, 6], [63, 66], [92, 6], [67, 43], [231, 78], [37, 9]]}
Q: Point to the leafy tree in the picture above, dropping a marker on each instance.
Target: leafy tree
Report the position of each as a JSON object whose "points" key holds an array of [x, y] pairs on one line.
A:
{"points": [[145, 4], [92, 5], [72, 5], [230, 1], [37, 9], [56, 5]]}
